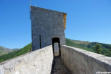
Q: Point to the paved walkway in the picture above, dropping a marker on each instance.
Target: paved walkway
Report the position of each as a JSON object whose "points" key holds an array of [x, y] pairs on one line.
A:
{"points": [[59, 67]]}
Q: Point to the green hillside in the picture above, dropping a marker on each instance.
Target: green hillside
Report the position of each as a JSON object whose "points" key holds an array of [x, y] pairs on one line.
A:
{"points": [[16, 53], [104, 49]]}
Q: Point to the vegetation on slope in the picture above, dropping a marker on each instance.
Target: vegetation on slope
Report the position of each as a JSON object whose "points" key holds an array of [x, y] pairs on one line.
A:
{"points": [[16, 53], [96, 47], [100, 48]]}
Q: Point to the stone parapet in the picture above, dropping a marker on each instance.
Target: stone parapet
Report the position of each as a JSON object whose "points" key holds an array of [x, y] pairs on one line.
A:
{"points": [[35, 62], [80, 61]]}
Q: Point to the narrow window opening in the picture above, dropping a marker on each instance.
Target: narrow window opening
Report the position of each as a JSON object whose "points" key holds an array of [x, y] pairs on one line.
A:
{"points": [[40, 40]]}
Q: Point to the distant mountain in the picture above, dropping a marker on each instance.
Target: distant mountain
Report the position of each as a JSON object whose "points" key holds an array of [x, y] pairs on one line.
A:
{"points": [[16, 52], [4, 50]]}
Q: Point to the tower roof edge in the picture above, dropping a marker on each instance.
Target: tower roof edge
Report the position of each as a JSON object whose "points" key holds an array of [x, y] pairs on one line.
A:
{"points": [[35, 7]]}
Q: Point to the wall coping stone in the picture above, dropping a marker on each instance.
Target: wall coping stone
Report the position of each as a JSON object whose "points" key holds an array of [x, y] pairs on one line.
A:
{"points": [[97, 57], [26, 54]]}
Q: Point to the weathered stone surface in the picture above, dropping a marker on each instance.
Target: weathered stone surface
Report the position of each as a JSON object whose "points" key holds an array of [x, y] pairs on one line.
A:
{"points": [[59, 67], [36, 62], [80, 61], [46, 24]]}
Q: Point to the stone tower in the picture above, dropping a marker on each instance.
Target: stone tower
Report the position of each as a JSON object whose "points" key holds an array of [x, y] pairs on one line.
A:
{"points": [[47, 27]]}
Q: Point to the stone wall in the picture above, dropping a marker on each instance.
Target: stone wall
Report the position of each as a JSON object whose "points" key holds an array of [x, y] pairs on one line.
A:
{"points": [[46, 25], [80, 61], [36, 62]]}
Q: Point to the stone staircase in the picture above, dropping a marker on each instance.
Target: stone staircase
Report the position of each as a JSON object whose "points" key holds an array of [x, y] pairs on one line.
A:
{"points": [[58, 67]]}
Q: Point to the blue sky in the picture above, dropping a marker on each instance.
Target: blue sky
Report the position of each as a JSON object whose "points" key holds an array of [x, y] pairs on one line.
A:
{"points": [[88, 20]]}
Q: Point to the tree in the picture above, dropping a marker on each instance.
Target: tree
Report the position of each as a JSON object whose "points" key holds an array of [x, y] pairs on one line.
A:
{"points": [[97, 48]]}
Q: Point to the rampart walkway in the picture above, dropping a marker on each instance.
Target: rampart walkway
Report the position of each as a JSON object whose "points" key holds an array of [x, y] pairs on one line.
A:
{"points": [[78, 61], [59, 67]]}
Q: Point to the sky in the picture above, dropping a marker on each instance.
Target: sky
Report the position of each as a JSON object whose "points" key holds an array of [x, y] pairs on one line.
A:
{"points": [[87, 20]]}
